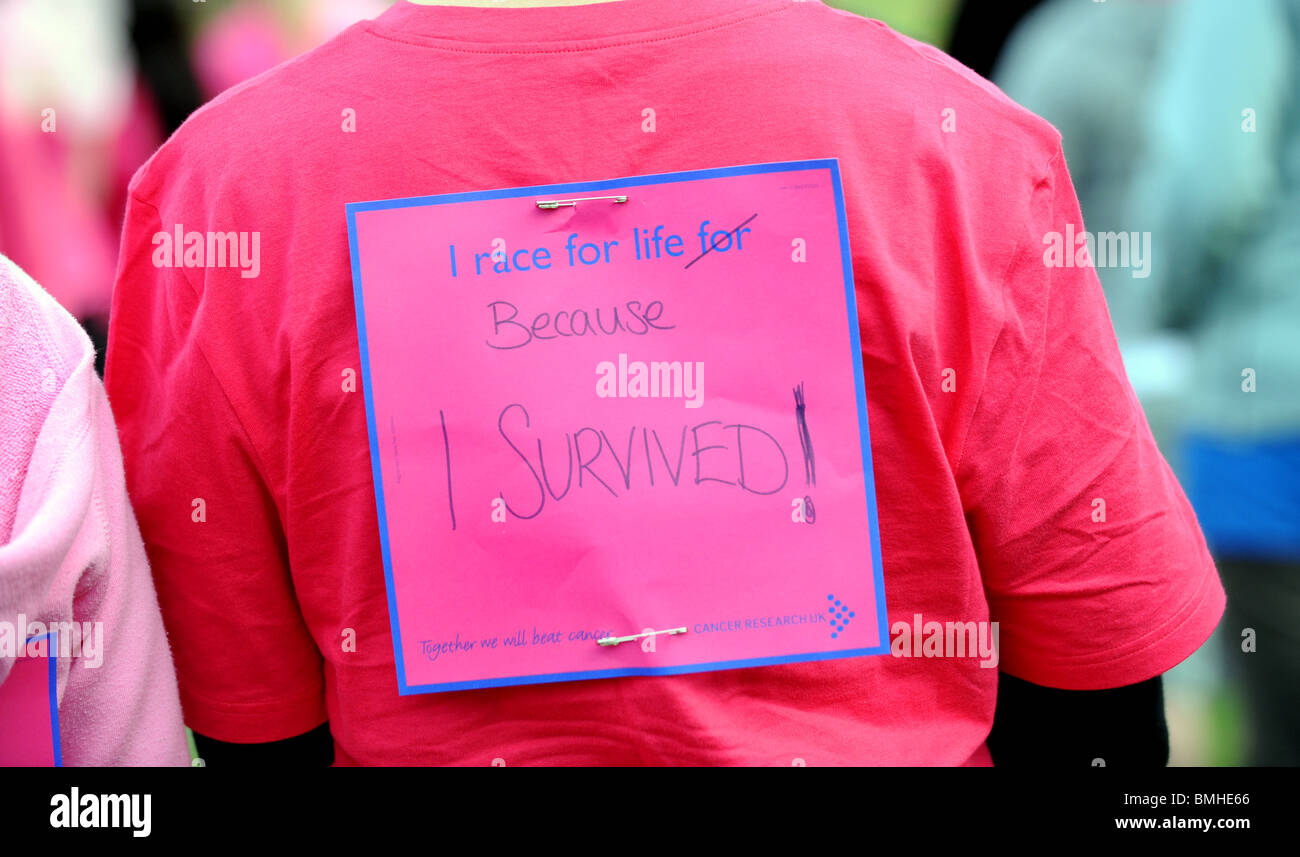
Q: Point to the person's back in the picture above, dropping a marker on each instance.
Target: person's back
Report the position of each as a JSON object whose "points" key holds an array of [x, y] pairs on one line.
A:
{"points": [[999, 412]]}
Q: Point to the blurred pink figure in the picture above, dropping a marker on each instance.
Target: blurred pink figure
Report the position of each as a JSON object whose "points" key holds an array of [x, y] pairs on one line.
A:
{"points": [[47, 225], [249, 38]]}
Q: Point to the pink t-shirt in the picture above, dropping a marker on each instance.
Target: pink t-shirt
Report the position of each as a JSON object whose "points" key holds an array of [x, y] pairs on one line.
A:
{"points": [[1016, 477]]}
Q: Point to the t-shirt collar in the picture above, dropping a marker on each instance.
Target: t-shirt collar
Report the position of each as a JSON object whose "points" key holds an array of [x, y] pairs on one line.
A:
{"points": [[551, 27]]}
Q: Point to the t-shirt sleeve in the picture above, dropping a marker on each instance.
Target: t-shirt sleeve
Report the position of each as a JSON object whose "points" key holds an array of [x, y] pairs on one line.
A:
{"points": [[1093, 564], [248, 669]]}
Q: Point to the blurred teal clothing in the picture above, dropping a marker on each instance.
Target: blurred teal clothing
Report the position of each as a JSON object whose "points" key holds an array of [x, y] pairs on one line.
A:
{"points": [[1221, 186], [1182, 120], [1223, 202], [1086, 68], [1244, 493]]}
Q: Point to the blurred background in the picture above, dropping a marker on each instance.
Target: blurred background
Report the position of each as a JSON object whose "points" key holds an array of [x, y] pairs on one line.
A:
{"points": [[1181, 127]]}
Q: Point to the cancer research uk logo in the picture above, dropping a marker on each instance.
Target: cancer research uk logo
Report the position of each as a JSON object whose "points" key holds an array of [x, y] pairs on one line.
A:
{"points": [[181, 249], [922, 639], [840, 615]]}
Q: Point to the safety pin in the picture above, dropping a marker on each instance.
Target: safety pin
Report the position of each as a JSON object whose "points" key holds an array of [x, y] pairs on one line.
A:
{"points": [[614, 641], [561, 203]]}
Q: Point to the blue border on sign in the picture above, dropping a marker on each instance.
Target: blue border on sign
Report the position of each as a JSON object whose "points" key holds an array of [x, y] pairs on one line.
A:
{"points": [[855, 352], [54, 698]]}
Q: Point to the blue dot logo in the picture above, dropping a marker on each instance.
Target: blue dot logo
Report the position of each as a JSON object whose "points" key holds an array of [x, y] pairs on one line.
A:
{"points": [[840, 615]]}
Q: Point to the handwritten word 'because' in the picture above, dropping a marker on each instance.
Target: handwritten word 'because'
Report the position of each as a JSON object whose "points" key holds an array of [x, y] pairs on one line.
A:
{"points": [[507, 333]]}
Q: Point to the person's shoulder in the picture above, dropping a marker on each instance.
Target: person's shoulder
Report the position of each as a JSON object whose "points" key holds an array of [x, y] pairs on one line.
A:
{"points": [[41, 342], [905, 75], [42, 349]]}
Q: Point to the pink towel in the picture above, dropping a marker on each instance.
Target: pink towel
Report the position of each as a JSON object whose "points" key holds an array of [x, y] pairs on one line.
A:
{"points": [[70, 550]]}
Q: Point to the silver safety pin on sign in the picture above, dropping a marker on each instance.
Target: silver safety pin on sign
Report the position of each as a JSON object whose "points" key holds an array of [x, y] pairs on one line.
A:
{"points": [[614, 641], [573, 203]]}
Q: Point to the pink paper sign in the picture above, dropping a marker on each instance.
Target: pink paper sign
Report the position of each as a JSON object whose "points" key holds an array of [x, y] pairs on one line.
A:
{"points": [[29, 709], [637, 416]]}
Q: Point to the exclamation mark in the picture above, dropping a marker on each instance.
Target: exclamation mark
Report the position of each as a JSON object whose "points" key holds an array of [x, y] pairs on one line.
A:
{"points": [[446, 449], [805, 439]]}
